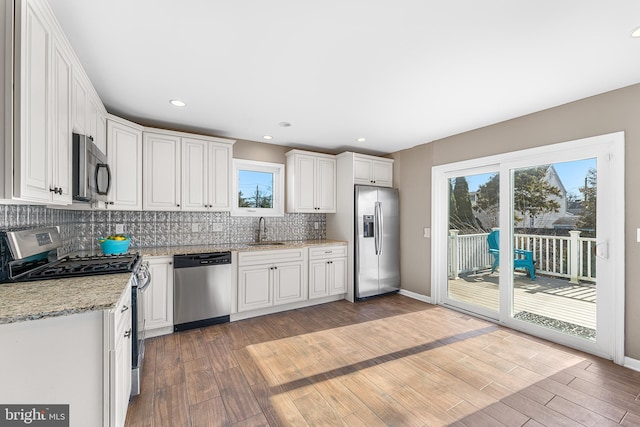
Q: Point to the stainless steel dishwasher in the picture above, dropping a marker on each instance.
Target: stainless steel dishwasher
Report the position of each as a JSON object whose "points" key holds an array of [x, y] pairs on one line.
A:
{"points": [[201, 290]]}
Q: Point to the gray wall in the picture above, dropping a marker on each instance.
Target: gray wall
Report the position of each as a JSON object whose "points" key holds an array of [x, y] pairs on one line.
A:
{"points": [[606, 113]]}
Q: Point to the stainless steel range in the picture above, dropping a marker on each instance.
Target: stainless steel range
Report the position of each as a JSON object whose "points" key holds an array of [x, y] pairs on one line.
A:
{"points": [[32, 254]]}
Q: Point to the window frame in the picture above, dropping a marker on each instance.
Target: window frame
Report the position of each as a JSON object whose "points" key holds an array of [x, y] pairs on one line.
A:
{"points": [[277, 169]]}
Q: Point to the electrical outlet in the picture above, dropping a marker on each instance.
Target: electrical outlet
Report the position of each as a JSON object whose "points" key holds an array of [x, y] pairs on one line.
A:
{"points": [[119, 228], [316, 225], [217, 227], [427, 232], [195, 227]]}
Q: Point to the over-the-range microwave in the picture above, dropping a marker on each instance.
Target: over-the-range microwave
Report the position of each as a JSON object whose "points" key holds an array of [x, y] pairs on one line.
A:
{"points": [[91, 173]]}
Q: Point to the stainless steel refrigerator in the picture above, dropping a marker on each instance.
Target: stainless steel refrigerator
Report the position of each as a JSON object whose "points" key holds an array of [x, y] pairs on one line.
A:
{"points": [[377, 249]]}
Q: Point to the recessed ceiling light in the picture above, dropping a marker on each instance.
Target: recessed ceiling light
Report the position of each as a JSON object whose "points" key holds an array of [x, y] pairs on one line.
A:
{"points": [[636, 33], [284, 124], [178, 103], [361, 139], [267, 137]]}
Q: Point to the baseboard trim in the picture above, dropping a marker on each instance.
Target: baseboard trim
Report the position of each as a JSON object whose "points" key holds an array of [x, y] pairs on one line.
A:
{"points": [[632, 363], [151, 333], [414, 295]]}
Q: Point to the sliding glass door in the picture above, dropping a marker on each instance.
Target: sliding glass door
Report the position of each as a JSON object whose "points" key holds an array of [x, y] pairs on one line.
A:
{"points": [[471, 282], [535, 240], [554, 231]]}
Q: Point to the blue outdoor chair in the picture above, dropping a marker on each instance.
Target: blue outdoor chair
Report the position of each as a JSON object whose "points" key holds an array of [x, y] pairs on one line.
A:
{"points": [[521, 258]]}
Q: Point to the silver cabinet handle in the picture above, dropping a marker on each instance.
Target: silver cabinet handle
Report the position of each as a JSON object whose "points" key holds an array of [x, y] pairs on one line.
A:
{"points": [[124, 308], [128, 333]]}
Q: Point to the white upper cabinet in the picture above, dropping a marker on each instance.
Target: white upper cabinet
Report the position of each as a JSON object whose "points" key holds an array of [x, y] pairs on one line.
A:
{"points": [[206, 168], [370, 170], [61, 170], [219, 178], [124, 145], [311, 182], [161, 168], [186, 172], [194, 175], [50, 102], [79, 105], [88, 115], [96, 123], [42, 144]]}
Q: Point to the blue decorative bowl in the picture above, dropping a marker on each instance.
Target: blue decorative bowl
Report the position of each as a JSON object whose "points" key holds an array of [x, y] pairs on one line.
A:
{"points": [[110, 247]]}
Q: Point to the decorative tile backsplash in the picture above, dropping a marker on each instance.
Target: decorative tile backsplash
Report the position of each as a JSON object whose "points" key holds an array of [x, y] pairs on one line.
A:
{"points": [[80, 229]]}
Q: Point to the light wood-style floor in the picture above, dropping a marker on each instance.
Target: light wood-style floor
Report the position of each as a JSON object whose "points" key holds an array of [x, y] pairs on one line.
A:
{"points": [[390, 361]]}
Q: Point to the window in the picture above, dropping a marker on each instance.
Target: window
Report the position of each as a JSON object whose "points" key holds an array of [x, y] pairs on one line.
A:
{"points": [[258, 188]]}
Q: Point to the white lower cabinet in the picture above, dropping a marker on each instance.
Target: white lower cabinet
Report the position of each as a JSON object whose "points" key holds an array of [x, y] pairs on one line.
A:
{"points": [[271, 277], [158, 297], [83, 360], [327, 271], [289, 283], [118, 332]]}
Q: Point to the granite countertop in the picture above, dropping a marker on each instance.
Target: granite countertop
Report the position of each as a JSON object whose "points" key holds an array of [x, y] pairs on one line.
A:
{"points": [[24, 301], [60, 297], [194, 249]]}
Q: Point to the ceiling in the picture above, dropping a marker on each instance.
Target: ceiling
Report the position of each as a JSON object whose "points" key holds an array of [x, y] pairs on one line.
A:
{"points": [[399, 73]]}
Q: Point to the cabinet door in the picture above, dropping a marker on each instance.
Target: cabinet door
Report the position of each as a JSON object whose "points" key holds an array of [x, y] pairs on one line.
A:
{"points": [[61, 125], [288, 283], [33, 155], [254, 287], [158, 297], [220, 177], [119, 358], [194, 175], [125, 161], [338, 276], [382, 173], [161, 158], [369, 171], [91, 122], [101, 132], [362, 173], [305, 185], [79, 104], [326, 185], [120, 374], [318, 279]]}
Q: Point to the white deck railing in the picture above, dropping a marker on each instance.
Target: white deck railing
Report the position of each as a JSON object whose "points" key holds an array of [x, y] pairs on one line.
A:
{"points": [[569, 257]]}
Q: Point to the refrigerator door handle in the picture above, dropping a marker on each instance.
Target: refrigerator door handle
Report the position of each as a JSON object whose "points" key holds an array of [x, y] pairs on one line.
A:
{"points": [[379, 226]]}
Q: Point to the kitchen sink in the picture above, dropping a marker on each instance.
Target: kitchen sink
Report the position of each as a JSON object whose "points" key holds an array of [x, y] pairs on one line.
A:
{"points": [[265, 244]]}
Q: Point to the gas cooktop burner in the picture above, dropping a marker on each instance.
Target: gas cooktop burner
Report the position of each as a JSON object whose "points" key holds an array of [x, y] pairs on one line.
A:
{"points": [[73, 266]]}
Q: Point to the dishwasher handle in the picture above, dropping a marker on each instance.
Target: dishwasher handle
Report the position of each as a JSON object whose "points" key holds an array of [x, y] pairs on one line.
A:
{"points": [[201, 260]]}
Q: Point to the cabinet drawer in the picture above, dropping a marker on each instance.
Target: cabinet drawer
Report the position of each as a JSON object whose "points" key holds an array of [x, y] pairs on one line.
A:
{"points": [[267, 257], [327, 251]]}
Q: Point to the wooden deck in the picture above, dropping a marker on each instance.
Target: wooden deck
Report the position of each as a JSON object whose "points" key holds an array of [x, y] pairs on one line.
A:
{"points": [[545, 296]]}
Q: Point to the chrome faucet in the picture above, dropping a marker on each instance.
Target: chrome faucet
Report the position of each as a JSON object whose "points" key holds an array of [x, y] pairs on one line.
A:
{"points": [[262, 229]]}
